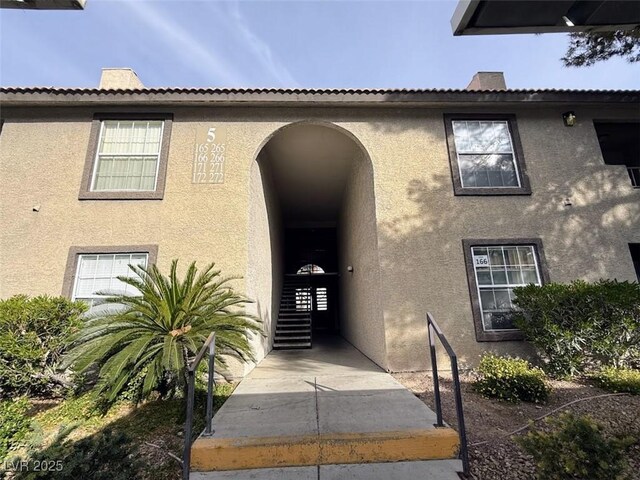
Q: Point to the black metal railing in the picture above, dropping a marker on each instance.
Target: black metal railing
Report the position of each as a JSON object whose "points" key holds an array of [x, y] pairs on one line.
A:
{"points": [[210, 346], [634, 174], [433, 328]]}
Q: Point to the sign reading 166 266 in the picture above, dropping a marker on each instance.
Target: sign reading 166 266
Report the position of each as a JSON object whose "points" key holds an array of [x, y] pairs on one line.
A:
{"points": [[209, 157]]}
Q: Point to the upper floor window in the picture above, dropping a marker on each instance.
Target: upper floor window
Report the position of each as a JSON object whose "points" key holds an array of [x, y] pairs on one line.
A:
{"points": [[620, 145], [485, 155], [127, 157]]}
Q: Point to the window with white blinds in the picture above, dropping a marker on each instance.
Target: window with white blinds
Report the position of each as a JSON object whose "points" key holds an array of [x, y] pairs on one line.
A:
{"points": [[128, 155], [99, 272]]}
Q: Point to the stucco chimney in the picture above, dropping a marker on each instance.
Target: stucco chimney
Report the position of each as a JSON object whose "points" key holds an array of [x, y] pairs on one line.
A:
{"points": [[487, 81], [119, 78]]}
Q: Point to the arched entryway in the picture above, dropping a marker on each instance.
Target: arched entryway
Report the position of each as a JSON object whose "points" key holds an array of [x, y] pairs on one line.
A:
{"points": [[313, 229]]}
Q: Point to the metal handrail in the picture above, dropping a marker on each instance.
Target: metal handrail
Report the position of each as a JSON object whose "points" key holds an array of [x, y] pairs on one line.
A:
{"points": [[433, 327], [210, 345], [634, 174]]}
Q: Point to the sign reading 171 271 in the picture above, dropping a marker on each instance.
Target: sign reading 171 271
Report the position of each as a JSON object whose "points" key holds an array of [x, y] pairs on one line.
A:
{"points": [[208, 161]]}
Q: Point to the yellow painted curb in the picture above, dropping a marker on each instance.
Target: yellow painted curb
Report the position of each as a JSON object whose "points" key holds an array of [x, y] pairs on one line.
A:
{"points": [[210, 454]]}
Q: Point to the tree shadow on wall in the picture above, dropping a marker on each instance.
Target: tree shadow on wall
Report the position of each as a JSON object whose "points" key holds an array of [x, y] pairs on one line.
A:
{"points": [[422, 249]]}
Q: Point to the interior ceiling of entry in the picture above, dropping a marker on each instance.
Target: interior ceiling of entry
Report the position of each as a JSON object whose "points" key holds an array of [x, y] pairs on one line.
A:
{"points": [[310, 166]]}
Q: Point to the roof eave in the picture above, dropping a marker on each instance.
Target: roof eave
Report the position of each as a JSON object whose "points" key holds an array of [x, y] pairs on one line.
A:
{"points": [[18, 97]]}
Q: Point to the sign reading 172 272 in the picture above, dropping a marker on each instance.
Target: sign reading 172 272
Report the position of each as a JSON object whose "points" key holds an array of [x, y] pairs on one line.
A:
{"points": [[209, 157]]}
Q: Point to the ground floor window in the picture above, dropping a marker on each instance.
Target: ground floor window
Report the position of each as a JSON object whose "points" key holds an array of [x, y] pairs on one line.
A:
{"points": [[495, 268], [100, 272], [90, 270]]}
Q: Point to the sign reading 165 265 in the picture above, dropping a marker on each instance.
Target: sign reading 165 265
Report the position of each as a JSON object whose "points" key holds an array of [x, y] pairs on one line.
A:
{"points": [[209, 156]]}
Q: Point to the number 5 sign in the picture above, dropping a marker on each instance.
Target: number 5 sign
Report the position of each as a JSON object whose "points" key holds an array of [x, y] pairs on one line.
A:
{"points": [[209, 155]]}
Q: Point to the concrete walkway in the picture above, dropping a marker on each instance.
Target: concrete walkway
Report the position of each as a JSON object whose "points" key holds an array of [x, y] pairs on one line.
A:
{"points": [[328, 413]]}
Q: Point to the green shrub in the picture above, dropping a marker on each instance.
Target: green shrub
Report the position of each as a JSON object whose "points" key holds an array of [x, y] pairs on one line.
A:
{"points": [[33, 332], [623, 380], [107, 455], [574, 448], [580, 327], [510, 379], [14, 424]]}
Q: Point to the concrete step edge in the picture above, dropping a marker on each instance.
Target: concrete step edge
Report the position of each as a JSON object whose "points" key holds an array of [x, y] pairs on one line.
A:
{"points": [[211, 453]]}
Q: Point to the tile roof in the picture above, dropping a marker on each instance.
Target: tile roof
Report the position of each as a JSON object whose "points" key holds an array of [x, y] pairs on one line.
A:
{"points": [[304, 96], [295, 91]]}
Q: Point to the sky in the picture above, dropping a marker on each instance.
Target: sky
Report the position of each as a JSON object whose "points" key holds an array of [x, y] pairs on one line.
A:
{"points": [[311, 44]]}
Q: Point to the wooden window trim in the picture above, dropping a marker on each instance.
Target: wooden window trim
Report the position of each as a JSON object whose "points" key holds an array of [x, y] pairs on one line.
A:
{"points": [[481, 334], [92, 151], [458, 189]]}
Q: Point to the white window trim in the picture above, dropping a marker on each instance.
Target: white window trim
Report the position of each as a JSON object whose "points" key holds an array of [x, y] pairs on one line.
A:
{"points": [[506, 285], [513, 154], [97, 158]]}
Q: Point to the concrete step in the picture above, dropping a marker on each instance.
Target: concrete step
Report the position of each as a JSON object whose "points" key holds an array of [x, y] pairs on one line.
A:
{"points": [[423, 470], [291, 345], [285, 332], [211, 453], [292, 338]]}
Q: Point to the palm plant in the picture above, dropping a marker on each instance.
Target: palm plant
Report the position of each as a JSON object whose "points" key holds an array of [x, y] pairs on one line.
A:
{"points": [[153, 335]]}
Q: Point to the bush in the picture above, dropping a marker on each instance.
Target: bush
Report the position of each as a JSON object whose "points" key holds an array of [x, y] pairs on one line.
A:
{"points": [[580, 327], [107, 455], [623, 380], [14, 424], [33, 332], [574, 448], [510, 379]]}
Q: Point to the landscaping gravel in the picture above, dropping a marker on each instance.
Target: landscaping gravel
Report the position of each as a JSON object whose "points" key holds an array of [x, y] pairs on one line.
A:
{"points": [[493, 453]]}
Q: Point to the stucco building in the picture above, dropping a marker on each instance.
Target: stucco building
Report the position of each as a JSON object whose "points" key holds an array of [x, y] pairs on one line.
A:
{"points": [[398, 202]]}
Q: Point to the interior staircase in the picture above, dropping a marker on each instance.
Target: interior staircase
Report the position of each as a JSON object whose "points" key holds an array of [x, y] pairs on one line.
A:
{"points": [[293, 329]]}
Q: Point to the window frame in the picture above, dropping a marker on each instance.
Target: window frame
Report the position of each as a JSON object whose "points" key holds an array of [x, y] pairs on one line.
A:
{"points": [[73, 260], [483, 335], [518, 155], [91, 160]]}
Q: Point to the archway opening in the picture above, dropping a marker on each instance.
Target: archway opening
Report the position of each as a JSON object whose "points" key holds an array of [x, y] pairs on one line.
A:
{"points": [[313, 244]]}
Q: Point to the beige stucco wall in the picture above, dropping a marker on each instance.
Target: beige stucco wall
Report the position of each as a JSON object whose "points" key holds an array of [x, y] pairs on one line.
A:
{"points": [[265, 262], [420, 224], [361, 318]]}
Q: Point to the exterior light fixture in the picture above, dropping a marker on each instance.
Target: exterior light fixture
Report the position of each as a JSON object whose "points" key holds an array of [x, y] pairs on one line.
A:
{"points": [[568, 21], [350, 269], [569, 119]]}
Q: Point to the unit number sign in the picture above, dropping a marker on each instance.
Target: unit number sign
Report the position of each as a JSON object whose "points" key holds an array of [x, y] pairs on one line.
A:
{"points": [[481, 260], [209, 156]]}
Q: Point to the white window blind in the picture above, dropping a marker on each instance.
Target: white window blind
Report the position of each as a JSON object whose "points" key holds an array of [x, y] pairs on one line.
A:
{"points": [[128, 155], [486, 157], [98, 273], [498, 271]]}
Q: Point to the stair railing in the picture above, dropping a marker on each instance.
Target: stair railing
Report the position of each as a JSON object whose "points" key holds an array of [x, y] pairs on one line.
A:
{"points": [[210, 346], [433, 331]]}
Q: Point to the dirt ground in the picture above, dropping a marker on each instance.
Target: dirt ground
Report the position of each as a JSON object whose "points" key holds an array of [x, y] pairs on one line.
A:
{"points": [[493, 453]]}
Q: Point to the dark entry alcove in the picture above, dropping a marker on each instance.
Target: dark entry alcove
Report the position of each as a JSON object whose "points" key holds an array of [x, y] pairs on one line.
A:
{"points": [[313, 252]]}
